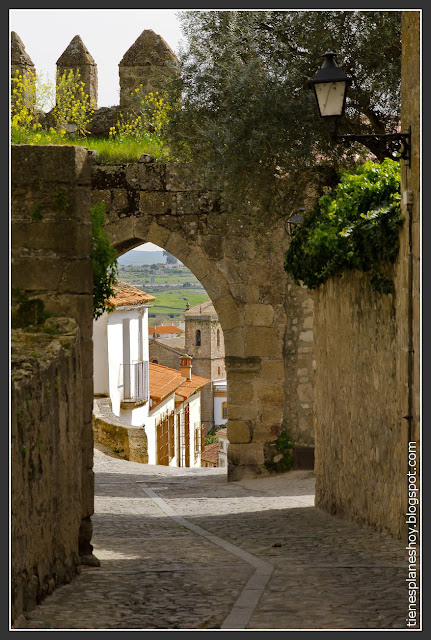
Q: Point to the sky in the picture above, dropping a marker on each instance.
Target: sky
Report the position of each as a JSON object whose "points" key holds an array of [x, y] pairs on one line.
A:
{"points": [[107, 34]]}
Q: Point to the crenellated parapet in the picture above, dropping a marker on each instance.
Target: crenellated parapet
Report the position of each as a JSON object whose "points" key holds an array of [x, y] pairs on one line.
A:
{"points": [[22, 65], [76, 57], [148, 64]]}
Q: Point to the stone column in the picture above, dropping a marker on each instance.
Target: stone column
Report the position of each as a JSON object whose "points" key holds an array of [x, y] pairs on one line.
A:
{"points": [[77, 58], [51, 261]]}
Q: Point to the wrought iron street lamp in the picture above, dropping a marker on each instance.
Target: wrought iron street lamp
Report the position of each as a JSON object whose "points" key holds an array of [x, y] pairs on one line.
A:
{"points": [[330, 89], [294, 221]]}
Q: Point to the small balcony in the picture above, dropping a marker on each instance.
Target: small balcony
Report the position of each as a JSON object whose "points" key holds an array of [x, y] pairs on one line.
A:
{"points": [[135, 385]]}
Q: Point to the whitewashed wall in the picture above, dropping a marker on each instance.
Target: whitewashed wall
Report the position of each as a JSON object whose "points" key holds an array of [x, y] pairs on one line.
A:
{"points": [[109, 357], [100, 355]]}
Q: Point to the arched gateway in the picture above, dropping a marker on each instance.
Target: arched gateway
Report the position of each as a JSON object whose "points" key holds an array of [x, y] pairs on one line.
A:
{"points": [[267, 323]]}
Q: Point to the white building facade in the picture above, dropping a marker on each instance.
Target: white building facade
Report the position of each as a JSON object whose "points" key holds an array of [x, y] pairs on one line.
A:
{"points": [[220, 401], [165, 402], [120, 346]]}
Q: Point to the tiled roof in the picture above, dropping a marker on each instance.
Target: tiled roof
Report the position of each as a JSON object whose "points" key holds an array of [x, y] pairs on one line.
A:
{"points": [[204, 308], [222, 432], [188, 387], [164, 381], [210, 453], [128, 296], [164, 328]]}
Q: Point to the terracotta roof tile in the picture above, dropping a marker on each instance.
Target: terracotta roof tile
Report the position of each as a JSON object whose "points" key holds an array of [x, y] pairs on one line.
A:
{"points": [[210, 453], [164, 328], [164, 381], [128, 296]]}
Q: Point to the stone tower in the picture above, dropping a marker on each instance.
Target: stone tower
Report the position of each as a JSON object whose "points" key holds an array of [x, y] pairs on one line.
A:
{"points": [[149, 61], [21, 65], [77, 57], [205, 343]]}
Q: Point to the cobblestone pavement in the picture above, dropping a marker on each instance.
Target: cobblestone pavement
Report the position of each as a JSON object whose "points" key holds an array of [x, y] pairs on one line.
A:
{"points": [[185, 549]]}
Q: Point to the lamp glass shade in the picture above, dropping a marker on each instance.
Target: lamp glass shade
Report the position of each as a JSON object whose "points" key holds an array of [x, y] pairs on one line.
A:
{"points": [[330, 97]]}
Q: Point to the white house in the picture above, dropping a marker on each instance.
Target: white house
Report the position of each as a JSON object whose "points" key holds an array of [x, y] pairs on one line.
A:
{"points": [[174, 429], [165, 402], [120, 344], [220, 401]]}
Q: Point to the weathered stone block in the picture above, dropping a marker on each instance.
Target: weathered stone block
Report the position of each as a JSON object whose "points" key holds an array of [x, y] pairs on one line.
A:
{"points": [[198, 263], [215, 285], [306, 336], [183, 177], [262, 341], [271, 413], [155, 204], [244, 411], [229, 314], [234, 341], [266, 432], [273, 369], [271, 393], [261, 315], [145, 177], [239, 392], [246, 454], [238, 431], [212, 245], [65, 164]]}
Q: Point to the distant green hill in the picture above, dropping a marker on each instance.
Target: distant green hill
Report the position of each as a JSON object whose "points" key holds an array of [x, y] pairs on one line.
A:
{"points": [[136, 258]]}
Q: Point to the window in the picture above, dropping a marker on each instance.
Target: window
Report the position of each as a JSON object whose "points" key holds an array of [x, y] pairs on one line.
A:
{"points": [[218, 338], [224, 410], [198, 338], [218, 371], [155, 361]]}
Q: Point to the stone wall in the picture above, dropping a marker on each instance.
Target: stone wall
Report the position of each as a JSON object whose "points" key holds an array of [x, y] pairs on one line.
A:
{"points": [[46, 418], [51, 265], [367, 391], [360, 459], [164, 354], [128, 442]]}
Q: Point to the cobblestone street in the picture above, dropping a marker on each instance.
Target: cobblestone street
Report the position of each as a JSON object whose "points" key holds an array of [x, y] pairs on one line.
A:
{"points": [[185, 549]]}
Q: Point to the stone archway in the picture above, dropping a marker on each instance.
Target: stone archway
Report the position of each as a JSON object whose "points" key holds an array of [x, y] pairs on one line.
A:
{"points": [[267, 323]]}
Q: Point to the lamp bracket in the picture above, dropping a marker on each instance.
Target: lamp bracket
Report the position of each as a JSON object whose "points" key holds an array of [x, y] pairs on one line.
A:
{"points": [[398, 142]]}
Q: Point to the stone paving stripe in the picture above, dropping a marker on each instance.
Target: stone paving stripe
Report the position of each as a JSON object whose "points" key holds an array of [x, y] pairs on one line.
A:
{"points": [[247, 601]]}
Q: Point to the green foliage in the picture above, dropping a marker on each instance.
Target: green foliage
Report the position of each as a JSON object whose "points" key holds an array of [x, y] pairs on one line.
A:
{"points": [[28, 96], [72, 103], [355, 226], [212, 435], [104, 259], [283, 446], [133, 136], [145, 125], [248, 114]]}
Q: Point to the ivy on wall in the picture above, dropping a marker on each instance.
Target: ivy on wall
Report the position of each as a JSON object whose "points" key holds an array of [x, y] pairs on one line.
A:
{"points": [[355, 226], [105, 266]]}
